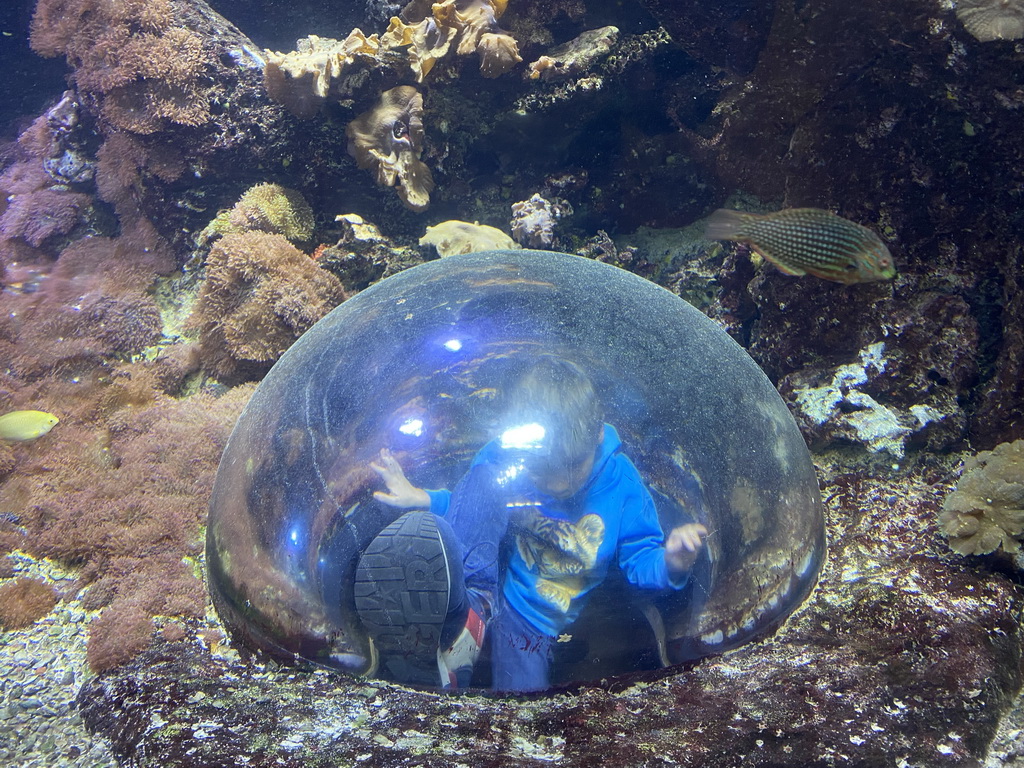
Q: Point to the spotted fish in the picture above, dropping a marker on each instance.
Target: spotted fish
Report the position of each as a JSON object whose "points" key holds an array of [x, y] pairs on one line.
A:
{"points": [[811, 241]]}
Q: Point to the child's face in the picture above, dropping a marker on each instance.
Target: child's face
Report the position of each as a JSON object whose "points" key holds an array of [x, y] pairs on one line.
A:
{"points": [[562, 480]]}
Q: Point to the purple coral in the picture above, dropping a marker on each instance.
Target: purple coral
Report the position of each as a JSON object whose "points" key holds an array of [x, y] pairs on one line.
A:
{"points": [[42, 215]]}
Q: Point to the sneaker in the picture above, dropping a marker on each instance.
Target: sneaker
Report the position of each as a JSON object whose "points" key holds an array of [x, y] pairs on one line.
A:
{"points": [[402, 593], [455, 665]]}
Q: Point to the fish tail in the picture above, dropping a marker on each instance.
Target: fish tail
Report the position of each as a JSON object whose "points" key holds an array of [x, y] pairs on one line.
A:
{"points": [[725, 224]]}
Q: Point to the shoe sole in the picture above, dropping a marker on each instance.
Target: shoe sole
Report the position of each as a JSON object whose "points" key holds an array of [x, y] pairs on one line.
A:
{"points": [[401, 595]]}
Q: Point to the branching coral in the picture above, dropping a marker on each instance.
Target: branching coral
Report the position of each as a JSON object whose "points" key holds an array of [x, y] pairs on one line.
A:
{"points": [[985, 511], [141, 68], [266, 208], [260, 294], [388, 141]]}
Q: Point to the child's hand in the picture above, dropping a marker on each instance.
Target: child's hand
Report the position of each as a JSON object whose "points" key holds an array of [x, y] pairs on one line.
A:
{"points": [[400, 493], [683, 545]]}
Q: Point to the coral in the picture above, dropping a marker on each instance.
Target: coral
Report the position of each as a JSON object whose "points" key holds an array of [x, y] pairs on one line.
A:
{"points": [[985, 511], [427, 43], [992, 19], [841, 409], [574, 57], [471, 25], [7, 461], [266, 208], [499, 52], [42, 215], [302, 79], [454, 237], [173, 631], [388, 141], [259, 295], [533, 221], [25, 601], [92, 305], [477, 22], [363, 254], [117, 635], [142, 69], [123, 165], [119, 492]]}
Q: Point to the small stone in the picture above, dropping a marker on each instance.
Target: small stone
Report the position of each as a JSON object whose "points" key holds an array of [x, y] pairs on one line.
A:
{"points": [[46, 660]]}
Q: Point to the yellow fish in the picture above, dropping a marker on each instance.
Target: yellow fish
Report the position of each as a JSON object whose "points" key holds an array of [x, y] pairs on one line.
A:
{"points": [[811, 241], [26, 425]]}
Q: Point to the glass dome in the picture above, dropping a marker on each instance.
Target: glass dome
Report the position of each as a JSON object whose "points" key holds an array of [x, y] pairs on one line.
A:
{"points": [[418, 375]]}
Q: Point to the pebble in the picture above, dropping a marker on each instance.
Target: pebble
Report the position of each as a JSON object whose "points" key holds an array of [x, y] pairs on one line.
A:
{"points": [[41, 667]]}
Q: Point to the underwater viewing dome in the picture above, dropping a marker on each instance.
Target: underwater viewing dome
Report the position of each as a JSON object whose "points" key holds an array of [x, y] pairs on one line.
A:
{"points": [[421, 370]]}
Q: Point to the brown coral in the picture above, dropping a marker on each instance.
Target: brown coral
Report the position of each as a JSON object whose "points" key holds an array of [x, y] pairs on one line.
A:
{"points": [[142, 69], [388, 141], [302, 79], [120, 494], [477, 22], [42, 215], [427, 40], [260, 294], [25, 601], [118, 635], [992, 19], [985, 512]]}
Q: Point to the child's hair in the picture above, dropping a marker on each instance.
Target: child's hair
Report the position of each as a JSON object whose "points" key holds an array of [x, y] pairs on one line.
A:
{"points": [[558, 395]]}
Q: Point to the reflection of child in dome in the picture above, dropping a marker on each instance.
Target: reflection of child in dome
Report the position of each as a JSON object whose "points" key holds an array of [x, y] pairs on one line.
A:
{"points": [[557, 482]]}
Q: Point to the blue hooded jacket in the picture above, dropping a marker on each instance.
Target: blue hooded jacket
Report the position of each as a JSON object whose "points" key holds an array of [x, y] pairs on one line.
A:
{"points": [[561, 549]]}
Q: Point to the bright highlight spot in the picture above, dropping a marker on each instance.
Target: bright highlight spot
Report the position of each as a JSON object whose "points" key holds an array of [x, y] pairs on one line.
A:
{"points": [[412, 427], [525, 437]]}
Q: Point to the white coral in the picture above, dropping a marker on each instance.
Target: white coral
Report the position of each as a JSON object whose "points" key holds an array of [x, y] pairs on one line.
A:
{"points": [[992, 19]]}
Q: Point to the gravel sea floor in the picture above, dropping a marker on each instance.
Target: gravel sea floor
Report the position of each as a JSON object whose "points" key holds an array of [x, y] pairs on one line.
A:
{"points": [[41, 670]]}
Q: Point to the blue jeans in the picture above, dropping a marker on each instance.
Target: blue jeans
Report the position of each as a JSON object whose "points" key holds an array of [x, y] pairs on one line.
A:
{"points": [[520, 656], [478, 518]]}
